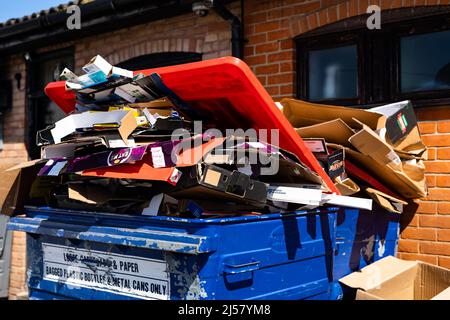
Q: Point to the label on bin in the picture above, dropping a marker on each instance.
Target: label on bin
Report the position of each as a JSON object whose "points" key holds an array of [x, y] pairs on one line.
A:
{"points": [[128, 275]]}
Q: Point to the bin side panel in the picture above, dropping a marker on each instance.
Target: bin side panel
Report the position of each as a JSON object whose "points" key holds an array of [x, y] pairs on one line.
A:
{"points": [[362, 237]]}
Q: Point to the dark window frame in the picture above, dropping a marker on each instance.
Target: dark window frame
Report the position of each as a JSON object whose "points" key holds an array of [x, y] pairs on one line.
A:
{"points": [[378, 55]]}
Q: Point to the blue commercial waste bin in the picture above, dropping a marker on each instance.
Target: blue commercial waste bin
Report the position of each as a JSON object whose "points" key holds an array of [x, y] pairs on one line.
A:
{"points": [[89, 255], [362, 237]]}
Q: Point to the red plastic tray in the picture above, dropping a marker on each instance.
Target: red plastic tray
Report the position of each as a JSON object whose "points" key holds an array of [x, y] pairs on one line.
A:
{"points": [[226, 92]]}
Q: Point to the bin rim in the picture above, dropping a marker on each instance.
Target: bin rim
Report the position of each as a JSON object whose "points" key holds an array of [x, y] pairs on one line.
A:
{"points": [[35, 211]]}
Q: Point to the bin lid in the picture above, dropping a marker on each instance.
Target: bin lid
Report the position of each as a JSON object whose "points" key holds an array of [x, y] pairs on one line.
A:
{"points": [[225, 92]]}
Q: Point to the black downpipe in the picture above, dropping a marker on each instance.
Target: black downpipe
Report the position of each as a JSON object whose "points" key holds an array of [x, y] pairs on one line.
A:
{"points": [[237, 39]]}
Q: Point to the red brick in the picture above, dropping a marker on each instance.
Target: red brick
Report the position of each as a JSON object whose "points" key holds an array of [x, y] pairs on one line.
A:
{"points": [[443, 126], [438, 248], [249, 51], [332, 14], [287, 90], [443, 208], [436, 140], [323, 17], [275, 14], [353, 8], [256, 17], [443, 181], [414, 222], [443, 153], [437, 166], [267, 69], [280, 78], [302, 8], [278, 35], [443, 235], [420, 257], [431, 181], [255, 60], [286, 66], [427, 207], [427, 127], [281, 56], [343, 11], [444, 262], [262, 79], [287, 44], [431, 153], [312, 21], [273, 91], [408, 3], [434, 221], [419, 233], [408, 245], [438, 194], [267, 26], [267, 47], [257, 38], [420, 2]]}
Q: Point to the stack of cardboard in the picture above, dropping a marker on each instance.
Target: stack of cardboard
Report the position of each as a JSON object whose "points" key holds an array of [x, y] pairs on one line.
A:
{"points": [[127, 149], [383, 149]]}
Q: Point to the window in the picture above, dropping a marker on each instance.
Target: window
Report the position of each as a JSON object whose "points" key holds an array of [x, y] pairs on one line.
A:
{"points": [[333, 73], [348, 64], [42, 112], [425, 62]]}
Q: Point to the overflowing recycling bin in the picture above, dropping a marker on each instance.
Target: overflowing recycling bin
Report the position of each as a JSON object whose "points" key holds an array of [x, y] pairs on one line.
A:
{"points": [[190, 182]]}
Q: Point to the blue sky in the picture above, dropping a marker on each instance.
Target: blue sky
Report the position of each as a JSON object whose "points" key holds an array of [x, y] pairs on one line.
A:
{"points": [[19, 8]]}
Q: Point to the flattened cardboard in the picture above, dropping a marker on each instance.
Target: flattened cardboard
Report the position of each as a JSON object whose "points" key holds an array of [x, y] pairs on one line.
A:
{"points": [[301, 114], [64, 127], [144, 169], [334, 131], [394, 279], [396, 180], [386, 201], [16, 185], [369, 143], [88, 193], [444, 295], [347, 187]]}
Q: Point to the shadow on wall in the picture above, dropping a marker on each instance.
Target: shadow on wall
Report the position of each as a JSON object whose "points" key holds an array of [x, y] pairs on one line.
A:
{"points": [[408, 214]]}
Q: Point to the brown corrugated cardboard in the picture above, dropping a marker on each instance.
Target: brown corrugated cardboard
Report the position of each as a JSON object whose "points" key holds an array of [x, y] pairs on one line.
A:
{"points": [[16, 185], [369, 143], [347, 187], [334, 131], [386, 201], [301, 114], [394, 279], [396, 180]]}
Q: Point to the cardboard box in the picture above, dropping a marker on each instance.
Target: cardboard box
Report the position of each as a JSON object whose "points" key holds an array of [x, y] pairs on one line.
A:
{"points": [[394, 279], [16, 186]]}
